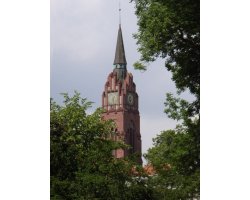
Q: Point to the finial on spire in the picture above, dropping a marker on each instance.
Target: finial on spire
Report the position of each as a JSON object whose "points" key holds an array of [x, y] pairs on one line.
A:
{"points": [[120, 13]]}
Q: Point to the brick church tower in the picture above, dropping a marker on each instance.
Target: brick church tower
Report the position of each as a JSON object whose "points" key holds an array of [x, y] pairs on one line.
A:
{"points": [[120, 102]]}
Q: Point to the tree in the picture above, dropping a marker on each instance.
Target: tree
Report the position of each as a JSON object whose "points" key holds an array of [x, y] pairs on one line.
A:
{"points": [[170, 30], [176, 161], [176, 155], [81, 161]]}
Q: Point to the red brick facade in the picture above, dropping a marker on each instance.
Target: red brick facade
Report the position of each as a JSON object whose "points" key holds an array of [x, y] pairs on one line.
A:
{"points": [[120, 102]]}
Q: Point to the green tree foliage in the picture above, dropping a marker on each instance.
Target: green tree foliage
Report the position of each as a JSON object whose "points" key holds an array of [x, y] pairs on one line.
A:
{"points": [[170, 29], [176, 155], [82, 165]]}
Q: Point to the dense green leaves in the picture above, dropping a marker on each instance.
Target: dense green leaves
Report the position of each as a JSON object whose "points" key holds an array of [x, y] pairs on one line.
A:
{"points": [[81, 161], [170, 29], [176, 153], [82, 165], [175, 156]]}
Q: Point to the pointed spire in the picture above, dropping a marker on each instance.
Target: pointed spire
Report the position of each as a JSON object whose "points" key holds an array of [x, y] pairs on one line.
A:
{"points": [[120, 53], [120, 58]]}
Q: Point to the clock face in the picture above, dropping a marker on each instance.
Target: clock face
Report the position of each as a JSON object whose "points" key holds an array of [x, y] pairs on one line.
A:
{"points": [[130, 99], [113, 98]]}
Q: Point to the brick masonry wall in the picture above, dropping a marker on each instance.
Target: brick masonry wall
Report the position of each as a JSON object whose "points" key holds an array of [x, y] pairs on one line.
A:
{"points": [[125, 116]]}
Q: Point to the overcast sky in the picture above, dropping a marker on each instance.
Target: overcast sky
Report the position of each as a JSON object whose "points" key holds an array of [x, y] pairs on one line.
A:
{"points": [[83, 41]]}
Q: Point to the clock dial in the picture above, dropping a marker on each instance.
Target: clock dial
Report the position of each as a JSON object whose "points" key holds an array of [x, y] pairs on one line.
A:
{"points": [[130, 99], [113, 98]]}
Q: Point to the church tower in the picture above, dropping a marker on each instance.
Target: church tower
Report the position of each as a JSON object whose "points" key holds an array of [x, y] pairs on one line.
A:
{"points": [[120, 102]]}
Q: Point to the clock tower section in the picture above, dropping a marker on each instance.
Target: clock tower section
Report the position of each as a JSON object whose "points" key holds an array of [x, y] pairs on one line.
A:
{"points": [[120, 103]]}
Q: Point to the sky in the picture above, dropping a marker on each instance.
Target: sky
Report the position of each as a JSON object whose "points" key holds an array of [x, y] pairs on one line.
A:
{"points": [[83, 41], [24, 82]]}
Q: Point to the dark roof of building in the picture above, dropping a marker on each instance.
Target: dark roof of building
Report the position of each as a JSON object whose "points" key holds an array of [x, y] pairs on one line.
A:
{"points": [[119, 52]]}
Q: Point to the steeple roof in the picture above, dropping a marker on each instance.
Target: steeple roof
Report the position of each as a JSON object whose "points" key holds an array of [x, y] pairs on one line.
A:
{"points": [[120, 53]]}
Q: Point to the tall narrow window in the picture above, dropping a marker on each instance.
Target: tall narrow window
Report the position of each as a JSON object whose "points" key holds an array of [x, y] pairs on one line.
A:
{"points": [[131, 137]]}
